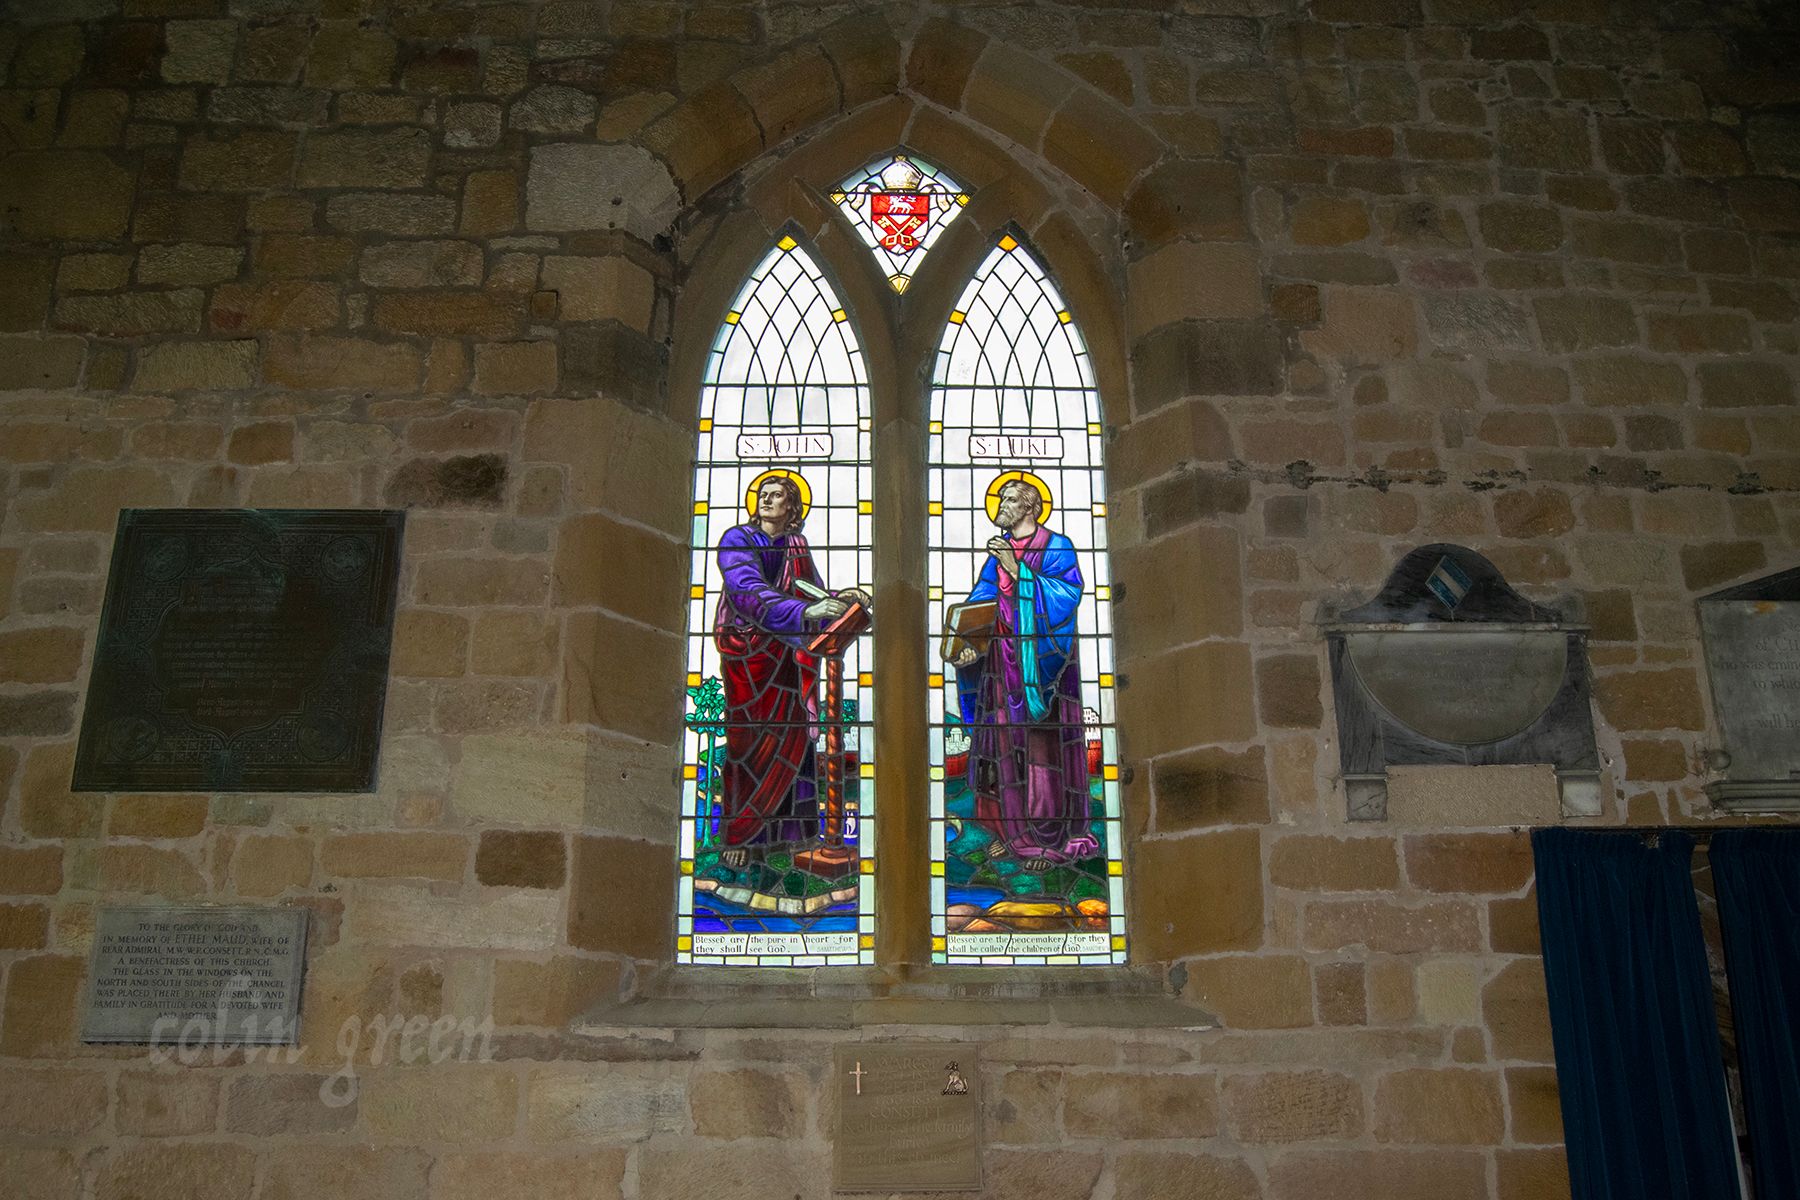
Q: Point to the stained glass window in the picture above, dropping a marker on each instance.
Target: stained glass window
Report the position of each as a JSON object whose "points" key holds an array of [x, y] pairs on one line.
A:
{"points": [[778, 801], [1024, 805], [900, 205]]}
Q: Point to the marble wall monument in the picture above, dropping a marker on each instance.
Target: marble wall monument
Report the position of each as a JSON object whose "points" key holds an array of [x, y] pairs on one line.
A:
{"points": [[1752, 638]]}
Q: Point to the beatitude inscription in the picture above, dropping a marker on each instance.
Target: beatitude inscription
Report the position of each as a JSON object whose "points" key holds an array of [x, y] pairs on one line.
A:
{"points": [[213, 975], [242, 650], [908, 1117]]}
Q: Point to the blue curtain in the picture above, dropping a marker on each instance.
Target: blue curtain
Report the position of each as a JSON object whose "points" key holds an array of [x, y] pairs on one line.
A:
{"points": [[1637, 1047], [1757, 873]]}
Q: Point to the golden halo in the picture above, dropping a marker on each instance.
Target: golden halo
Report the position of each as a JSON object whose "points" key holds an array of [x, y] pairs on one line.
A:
{"points": [[779, 473], [1006, 477]]}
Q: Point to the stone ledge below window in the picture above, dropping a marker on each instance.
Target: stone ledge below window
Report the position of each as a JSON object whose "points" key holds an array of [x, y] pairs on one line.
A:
{"points": [[861, 997]]}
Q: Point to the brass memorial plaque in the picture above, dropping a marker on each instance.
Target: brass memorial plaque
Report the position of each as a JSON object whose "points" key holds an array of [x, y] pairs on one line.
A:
{"points": [[242, 650], [908, 1117]]}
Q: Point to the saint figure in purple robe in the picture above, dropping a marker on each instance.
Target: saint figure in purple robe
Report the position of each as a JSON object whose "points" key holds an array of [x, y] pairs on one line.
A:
{"points": [[1021, 698], [769, 787]]}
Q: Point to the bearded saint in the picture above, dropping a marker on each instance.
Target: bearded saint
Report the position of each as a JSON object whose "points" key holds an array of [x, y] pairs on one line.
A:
{"points": [[761, 627], [1021, 698]]}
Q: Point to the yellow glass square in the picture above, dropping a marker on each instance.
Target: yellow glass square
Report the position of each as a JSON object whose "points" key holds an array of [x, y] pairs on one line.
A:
{"points": [[1099, 510], [685, 942], [865, 679], [690, 771], [839, 197], [705, 424], [1109, 771], [700, 508], [936, 508], [1064, 316], [1008, 244], [1118, 940], [937, 772], [1115, 867], [687, 866], [937, 427], [1094, 428], [866, 770], [956, 317], [866, 866], [937, 868], [1103, 592], [1106, 680], [938, 943], [787, 243], [693, 679], [936, 593], [962, 198], [865, 507], [864, 424], [697, 592], [732, 318], [866, 941], [935, 680], [839, 315]]}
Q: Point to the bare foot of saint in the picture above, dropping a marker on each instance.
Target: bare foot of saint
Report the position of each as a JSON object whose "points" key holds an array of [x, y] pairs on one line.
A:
{"points": [[735, 857], [1038, 866]]}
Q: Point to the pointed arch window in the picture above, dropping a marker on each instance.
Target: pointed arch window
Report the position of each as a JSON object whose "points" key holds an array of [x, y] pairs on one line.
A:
{"points": [[1024, 810], [777, 837]]}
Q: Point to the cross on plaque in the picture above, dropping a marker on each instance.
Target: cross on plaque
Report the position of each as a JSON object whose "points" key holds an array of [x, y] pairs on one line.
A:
{"points": [[859, 1073]]}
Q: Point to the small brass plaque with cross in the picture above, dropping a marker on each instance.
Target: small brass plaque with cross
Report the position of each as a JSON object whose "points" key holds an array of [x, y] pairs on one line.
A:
{"points": [[908, 1117]]}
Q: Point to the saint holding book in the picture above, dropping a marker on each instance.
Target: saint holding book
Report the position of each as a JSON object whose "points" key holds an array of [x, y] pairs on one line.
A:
{"points": [[1020, 693]]}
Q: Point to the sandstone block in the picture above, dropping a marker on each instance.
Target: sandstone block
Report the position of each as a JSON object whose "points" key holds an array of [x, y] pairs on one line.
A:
{"points": [[450, 314], [1206, 358], [621, 1107], [748, 1103], [49, 57], [42, 999], [338, 363], [1315, 862], [1188, 198], [59, 1102], [239, 162], [30, 871], [1253, 991], [1222, 911], [612, 361], [1187, 280], [51, 654], [571, 187], [175, 366], [131, 313], [1328, 221], [1545, 138], [37, 187], [593, 693], [1534, 513], [394, 158], [24, 926], [408, 916], [553, 993], [1292, 1106], [587, 543], [149, 871], [1144, 1106], [1584, 322], [268, 866], [1643, 383], [612, 908], [1213, 1176], [513, 644], [430, 644], [1377, 1175], [618, 459], [1744, 384], [1532, 1174], [1211, 786], [348, 1172], [1469, 862], [196, 1170], [286, 1104], [461, 481], [47, 809], [1364, 325], [1388, 928], [373, 212], [1533, 1105], [395, 855], [1151, 707], [32, 362], [610, 288], [278, 304], [1440, 1106], [584, 1175], [490, 203], [1707, 566], [421, 264], [159, 816], [343, 55], [521, 858], [1517, 1012], [166, 1103], [515, 368], [303, 255], [1650, 699], [1287, 691]]}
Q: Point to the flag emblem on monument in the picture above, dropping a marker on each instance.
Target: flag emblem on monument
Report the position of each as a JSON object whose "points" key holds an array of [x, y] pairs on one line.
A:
{"points": [[1449, 582]]}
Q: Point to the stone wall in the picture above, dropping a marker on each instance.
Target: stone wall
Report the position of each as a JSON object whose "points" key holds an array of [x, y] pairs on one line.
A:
{"points": [[1359, 275]]}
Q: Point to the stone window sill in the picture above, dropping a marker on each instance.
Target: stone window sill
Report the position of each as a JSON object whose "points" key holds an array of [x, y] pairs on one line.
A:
{"points": [[859, 997]]}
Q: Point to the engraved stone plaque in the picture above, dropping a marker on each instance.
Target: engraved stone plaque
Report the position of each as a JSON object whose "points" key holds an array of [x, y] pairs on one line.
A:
{"points": [[202, 976], [908, 1117], [1752, 637], [242, 650], [1449, 665]]}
